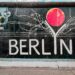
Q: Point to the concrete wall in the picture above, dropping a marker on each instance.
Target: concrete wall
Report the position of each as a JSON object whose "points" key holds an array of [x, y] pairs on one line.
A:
{"points": [[37, 0]]}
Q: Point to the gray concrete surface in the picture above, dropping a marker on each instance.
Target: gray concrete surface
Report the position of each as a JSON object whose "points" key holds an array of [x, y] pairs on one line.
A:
{"points": [[37, 71]]}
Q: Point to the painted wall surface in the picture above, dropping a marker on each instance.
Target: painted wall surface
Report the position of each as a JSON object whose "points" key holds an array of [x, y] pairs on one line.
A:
{"points": [[9, 15], [37, 33], [37, 0]]}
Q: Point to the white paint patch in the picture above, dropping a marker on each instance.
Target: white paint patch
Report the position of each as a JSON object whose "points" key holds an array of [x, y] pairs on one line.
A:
{"points": [[38, 63]]}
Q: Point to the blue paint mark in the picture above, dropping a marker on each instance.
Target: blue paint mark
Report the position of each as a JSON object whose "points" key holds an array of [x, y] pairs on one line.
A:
{"points": [[56, 0]]}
